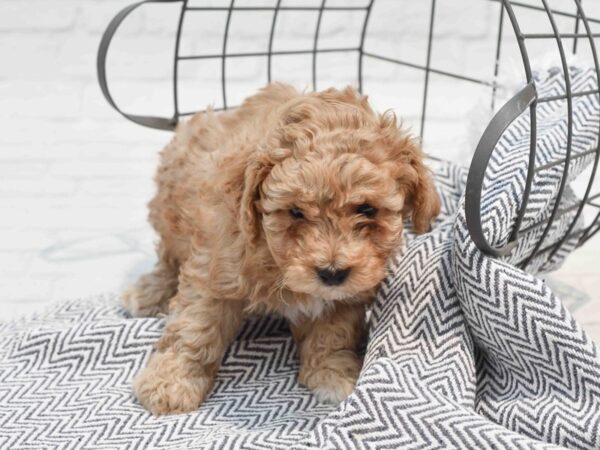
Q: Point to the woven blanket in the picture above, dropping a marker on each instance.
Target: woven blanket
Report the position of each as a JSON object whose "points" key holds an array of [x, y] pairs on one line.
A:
{"points": [[464, 351]]}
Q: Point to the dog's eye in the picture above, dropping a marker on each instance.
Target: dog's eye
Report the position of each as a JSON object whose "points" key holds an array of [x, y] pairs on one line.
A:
{"points": [[296, 213], [366, 210]]}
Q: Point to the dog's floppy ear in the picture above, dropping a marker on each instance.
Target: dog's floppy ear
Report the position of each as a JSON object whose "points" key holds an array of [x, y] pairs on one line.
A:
{"points": [[258, 167], [424, 200], [421, 198], [294, 127]]}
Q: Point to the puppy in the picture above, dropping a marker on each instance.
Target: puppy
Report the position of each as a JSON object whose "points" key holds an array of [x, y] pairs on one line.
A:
{"points": [[290, 204]]}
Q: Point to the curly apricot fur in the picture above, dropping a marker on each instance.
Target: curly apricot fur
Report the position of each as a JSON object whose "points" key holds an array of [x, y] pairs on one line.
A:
{"points": [[229, 245]]}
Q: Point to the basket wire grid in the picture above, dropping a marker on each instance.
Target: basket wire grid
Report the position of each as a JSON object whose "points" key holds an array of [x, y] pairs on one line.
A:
{"points": [[526, 98]]}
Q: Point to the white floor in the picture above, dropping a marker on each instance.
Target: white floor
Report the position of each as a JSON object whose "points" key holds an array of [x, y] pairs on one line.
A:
{"points": [[72, 209]]}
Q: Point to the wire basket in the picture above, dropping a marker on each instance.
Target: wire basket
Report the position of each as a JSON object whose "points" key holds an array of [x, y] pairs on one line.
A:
{"points": [[563, 27]]}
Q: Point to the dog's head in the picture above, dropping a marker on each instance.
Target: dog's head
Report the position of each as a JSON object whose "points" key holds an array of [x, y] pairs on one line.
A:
{"points": [[328, 191]]}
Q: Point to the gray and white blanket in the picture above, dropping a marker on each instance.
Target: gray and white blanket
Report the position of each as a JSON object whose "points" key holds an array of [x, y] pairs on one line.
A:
{"points": [[464, 351]]}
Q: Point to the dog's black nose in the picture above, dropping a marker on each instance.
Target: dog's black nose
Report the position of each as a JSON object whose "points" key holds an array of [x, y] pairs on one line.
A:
{"points": [[333, 277]]}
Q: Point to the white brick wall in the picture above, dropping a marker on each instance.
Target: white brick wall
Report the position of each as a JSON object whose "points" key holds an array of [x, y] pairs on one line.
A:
{"points": [[75, 176]]}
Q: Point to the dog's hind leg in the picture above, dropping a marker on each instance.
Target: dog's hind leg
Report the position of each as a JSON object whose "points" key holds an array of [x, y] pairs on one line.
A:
{"points": [[149, 296], [181, 372]]}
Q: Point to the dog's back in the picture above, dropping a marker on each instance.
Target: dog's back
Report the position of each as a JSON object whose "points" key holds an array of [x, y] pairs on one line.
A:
{"points": [[191, 186]]}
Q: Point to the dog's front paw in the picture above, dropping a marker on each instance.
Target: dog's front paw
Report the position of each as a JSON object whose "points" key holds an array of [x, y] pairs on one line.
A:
{"points": [[167, 386], [334, 379], [331, 387]]}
